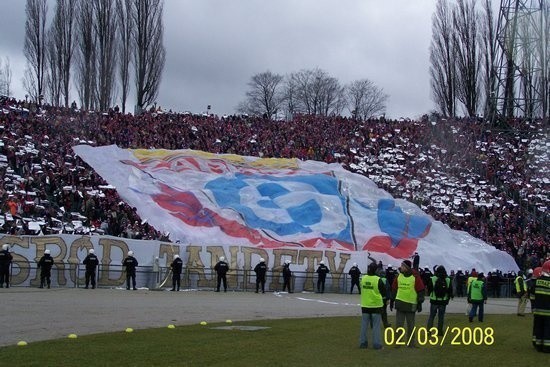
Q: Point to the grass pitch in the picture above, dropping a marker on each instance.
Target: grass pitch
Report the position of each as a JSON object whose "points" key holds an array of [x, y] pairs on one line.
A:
{"points": [[289, 342]]}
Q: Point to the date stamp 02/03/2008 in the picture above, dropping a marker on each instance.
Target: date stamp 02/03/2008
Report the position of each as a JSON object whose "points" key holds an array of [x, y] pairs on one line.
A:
{"points": [[451, 336]]}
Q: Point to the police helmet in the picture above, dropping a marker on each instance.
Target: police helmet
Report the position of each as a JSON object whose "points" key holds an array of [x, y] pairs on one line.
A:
{"points": [[47, 252]]}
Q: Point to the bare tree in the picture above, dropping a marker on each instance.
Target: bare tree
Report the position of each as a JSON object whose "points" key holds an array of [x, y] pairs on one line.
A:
{"points": [[442, 69], [65, 22], [289, 97], [105, 28], [5, 77], [150, 54], [86, 53], [53, 76], [35, 48], [467, 54], [264, 95], [315, 92], [365, 99], [125, 32]]}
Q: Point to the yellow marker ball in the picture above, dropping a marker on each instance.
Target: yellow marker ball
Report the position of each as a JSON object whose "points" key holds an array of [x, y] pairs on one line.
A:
{"points": [[228, 321], [72, 336], [203, 323], [171, 326], [21, 343], [129, 330]]}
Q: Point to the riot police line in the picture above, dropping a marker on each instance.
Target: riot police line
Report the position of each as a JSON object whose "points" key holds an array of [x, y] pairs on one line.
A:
{"points": [[156, 277]]}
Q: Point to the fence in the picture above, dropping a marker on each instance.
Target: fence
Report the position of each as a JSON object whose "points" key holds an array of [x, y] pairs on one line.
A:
{"points": [[73, 275]]}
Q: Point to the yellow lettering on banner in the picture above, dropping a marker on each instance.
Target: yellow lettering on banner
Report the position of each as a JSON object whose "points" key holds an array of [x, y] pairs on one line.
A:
{"points": [[19, 262], [78, 244], [248, 266], [58, 261], [196, 266], [336, 273], [232, 277], [105, 274], [310, 257], [169, 250], [20, 270], [278, 265]]}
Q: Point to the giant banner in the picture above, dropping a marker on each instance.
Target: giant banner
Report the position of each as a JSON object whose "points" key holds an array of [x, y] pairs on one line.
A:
{"points": [[229, 200]]}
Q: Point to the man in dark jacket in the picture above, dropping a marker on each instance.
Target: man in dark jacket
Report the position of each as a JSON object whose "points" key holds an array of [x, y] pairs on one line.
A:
{"points": [[177, 267], [5, 263], [440, 290], [260, 269], [130, 263], [355, 274], [322, 271], [287, 275], [221, 269], [45, 265], [91, 262]]}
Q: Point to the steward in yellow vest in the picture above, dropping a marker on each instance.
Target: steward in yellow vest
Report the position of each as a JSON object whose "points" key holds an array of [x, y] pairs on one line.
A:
{"points": [[373, 290]]}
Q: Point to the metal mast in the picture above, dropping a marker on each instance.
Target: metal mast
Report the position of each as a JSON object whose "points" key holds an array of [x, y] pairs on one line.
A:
{"points": [[522, 65]]}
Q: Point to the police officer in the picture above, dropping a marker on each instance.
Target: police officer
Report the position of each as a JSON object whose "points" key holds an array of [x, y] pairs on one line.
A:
{"points": [[5, 263], [439, 299], [355, 274], [130, 263], [260, 269], [176, 266], [91, 262], [45, 265], [372, 301], [477, 297], [287, 275], [221, 269], [541, 310], [322, 271], [521, 293]]}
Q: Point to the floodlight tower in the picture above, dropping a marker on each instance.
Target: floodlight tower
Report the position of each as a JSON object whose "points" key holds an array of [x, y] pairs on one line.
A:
{"points": [[522, 65]]}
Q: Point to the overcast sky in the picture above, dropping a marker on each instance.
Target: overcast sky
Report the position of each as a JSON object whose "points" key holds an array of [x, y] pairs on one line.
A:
{"points": [[214, 46]]}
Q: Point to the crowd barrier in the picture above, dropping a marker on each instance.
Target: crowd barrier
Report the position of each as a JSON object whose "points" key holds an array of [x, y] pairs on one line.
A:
{"points": [[160, 277]]}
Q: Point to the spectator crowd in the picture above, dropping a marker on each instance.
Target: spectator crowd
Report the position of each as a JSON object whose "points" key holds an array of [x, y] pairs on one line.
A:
{"points": [[464, 172]]}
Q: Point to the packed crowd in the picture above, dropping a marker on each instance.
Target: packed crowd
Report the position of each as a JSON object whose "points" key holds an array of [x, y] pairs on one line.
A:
{"points": [[492, 184]]}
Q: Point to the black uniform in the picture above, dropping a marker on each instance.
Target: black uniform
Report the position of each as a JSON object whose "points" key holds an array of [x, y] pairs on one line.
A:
{"points": [[91, 263], [416, 260], [177, 265], [221, 269], [460, 283], [260, 269], [5, 262], [322, 272], [45, 265], [541, 315], [355, 274], [130, 263], [287, 274]]}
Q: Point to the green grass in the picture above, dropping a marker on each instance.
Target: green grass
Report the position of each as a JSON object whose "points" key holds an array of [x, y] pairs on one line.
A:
{"points": [[290, 342]]}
